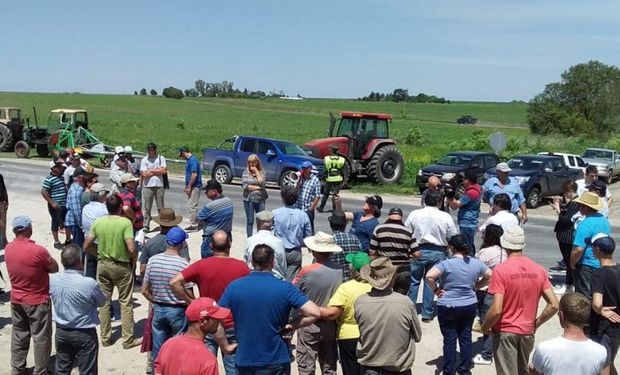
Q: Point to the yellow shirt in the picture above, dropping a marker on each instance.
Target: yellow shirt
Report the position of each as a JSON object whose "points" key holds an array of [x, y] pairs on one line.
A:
{"points": [[345, 297]]}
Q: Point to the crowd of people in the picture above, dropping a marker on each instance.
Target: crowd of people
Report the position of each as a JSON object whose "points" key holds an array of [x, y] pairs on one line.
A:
{"points": [[354, 304]]}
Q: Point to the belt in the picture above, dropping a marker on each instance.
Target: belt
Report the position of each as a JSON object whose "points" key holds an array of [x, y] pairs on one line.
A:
{"points": [[113, 261], [293, 249], [171, 304], [75, 329]]}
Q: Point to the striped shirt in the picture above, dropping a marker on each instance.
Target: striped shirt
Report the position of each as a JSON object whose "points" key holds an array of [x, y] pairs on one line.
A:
{"points": [[75, 299], [394, 240], [160, 269], [55, 187], [217, 215], [74, 205], [349, 244]]}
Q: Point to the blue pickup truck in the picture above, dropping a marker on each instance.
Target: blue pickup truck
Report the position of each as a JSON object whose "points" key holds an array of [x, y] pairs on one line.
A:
{"points": [[280, 159], [539, 176]]}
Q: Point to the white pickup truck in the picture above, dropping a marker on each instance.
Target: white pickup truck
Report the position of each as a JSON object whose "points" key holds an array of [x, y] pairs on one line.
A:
{"points": [[607, 162], [572, 161]]}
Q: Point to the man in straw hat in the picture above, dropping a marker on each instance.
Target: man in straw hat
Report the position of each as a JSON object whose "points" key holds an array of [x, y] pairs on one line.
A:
{"points": [[319, 282], [388, 323], [512, 315], [582, 258]]}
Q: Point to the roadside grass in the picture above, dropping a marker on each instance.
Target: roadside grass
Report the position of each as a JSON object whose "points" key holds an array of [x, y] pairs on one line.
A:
{"points": [[206, 122]]}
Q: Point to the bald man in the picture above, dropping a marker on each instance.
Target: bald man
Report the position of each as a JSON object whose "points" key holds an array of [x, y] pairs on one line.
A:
{"points": [[434, 184]]}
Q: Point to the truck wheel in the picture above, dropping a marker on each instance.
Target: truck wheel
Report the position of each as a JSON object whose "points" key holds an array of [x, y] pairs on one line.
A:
{"points": [[288, 178], [459, 190], [42, 150], [386, 165], [22, 149], [533, 200], [611, 176], [222, 174], [6, 138]]}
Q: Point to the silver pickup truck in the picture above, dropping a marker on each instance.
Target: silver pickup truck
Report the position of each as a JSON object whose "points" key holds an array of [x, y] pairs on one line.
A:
{"points": [[606, 161]]}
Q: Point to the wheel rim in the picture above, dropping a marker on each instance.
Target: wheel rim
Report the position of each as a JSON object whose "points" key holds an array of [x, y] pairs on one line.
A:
{"points": [[534, 198], [221, 175], [289, 179], [389, 168]]}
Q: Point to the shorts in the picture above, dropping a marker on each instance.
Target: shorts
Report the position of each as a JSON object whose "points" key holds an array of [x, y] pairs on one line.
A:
{"points": [[58, 217], [611, 344]]}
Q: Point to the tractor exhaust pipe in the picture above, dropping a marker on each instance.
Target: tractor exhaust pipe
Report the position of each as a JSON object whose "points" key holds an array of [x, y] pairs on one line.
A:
{"points": [[36, 121]]}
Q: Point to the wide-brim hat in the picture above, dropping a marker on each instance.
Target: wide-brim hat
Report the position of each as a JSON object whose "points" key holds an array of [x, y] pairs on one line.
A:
{"points": [[322, 242], [379, 273], [591, 200], [168, 218]]}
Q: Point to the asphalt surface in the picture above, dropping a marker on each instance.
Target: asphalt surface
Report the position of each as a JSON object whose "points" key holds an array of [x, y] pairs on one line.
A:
{"points": [[27, 176]]}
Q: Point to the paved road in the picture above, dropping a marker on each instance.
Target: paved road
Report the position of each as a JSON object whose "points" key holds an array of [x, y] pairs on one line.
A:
{"points": [[27, 177]]}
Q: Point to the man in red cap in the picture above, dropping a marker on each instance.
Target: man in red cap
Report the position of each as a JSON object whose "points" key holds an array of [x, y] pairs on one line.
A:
{"points": [[186, 353]]}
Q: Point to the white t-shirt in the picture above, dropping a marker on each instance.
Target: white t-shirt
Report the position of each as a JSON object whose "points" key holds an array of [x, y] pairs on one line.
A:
{"points": [[502, 218], [562, 356], [147, 165], [432, 226]]}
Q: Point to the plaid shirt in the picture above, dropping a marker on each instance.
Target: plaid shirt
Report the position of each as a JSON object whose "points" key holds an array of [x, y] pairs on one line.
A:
{"points": [[74, 205], [309, 190], [349, 244]]}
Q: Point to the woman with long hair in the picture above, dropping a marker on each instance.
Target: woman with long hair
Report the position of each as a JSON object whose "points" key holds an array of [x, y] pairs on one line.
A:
{"points": [[457, 304], [254, 192]]}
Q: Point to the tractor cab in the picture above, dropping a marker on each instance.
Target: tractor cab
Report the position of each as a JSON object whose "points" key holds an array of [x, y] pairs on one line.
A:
{"points": [[360, 129], [8, 114], [69, 119]]}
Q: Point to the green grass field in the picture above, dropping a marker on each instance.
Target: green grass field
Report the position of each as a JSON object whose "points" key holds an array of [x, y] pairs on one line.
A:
{"points": [[202, 122]]}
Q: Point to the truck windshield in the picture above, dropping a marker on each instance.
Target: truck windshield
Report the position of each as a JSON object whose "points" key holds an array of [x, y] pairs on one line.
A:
{"points": [[451, 159], [290, 149], [527, 164], [598, 154]]}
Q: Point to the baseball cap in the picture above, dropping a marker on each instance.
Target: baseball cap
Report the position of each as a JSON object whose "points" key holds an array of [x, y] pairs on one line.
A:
{"points": [[375, 200], [204, 307], [183, 149], [306, 164], [503, 167], [176, 236], [21, 222], [213, 184], [395, 211], [604, 243], [128, 149], [358, 260], [98, 188], [151, 146], [119, 150], [57, 163], [599, 186]]}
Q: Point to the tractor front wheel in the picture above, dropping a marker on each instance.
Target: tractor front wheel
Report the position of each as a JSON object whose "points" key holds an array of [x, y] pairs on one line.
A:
{"points": [[6, 138], [386, 166], [22, 149]]}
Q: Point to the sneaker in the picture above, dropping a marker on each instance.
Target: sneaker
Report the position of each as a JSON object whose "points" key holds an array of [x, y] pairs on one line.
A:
{"points": [[57, 245], [559, 290], [558, 267], [132, 344], [480, 360]]}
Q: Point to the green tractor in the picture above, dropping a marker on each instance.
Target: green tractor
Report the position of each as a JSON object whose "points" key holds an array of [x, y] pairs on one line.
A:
{"points": [[65, 128], [11, 127]]}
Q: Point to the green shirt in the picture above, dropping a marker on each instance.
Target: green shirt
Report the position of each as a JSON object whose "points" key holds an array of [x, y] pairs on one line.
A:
{"points": [[111, 231]]}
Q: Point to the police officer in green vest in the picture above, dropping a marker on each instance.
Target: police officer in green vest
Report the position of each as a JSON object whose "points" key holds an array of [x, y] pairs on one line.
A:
{"points": [[334, 168]]}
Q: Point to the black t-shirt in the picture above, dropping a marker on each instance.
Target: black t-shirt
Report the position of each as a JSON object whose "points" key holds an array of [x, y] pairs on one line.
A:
{"points": [[606, 280]]}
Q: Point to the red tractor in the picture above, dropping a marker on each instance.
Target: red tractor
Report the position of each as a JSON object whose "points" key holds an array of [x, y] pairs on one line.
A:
{"points": [[364, 139]]}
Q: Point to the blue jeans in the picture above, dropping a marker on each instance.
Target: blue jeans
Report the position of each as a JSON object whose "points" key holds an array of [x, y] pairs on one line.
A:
{"points": [[455, 323], [205, 247], [229, 360], [470, 234], [251, 208], [282, 369], [168, 321], [484, 304], [77, 236], [419, 267]]}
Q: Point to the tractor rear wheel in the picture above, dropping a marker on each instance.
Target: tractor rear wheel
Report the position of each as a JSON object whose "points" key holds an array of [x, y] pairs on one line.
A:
{"points": [[42, 150], [22, 149], [386, 166], [6, 138]]}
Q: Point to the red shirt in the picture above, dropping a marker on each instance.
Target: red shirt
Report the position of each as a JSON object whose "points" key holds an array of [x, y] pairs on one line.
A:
{"points": [[184, 355], [212, 275], [522, 282], [28, 265]]}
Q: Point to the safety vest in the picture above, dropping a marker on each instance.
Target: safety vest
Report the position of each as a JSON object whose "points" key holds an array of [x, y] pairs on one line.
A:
{"points": [[333, 168]]}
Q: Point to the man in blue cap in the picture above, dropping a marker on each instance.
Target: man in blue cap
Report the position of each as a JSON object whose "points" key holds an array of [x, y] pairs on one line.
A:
{"points": [[168, 310], [309, 188]]}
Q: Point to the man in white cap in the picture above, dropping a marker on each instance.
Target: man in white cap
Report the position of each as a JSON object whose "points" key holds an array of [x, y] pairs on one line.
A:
{"points": [[29, 266], [504, 184], [319, 281], [582, 259], [117, 169], [512, 316], [264, 225], [132, 163]]}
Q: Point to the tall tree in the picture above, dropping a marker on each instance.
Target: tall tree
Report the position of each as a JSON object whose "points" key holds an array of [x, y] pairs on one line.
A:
{"points": [[143, 91], [200, 87], [153, 92]]}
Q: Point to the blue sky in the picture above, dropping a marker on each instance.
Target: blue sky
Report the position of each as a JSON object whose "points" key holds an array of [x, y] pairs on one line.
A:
{"points": [[462, 50]]}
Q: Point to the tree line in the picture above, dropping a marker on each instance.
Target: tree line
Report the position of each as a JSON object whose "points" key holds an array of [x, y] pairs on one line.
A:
{"points": [[402, 95], [224, 89]]}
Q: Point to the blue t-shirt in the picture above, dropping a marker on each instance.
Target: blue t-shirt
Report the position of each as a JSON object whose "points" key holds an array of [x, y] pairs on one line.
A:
{"points": [[458, 279], [261, 305], [469, 211], [492, 187], [588, 228], [363, 229], [193, 165]]}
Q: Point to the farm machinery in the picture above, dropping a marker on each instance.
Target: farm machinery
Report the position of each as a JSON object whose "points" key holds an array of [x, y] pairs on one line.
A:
{"points": [[11, 127], [363, 138], [65, 128]]}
